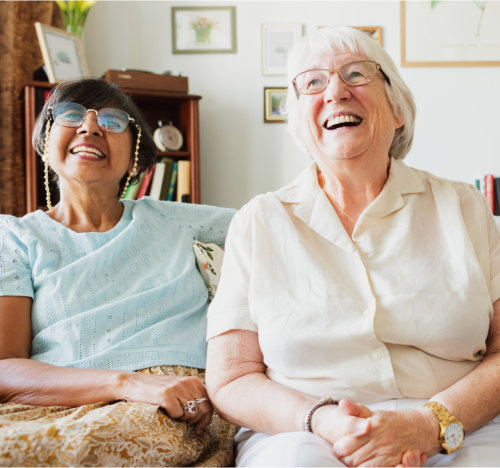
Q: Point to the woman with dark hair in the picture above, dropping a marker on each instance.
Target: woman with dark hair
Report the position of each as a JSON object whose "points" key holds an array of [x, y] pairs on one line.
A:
{"points": [[97, 288]]}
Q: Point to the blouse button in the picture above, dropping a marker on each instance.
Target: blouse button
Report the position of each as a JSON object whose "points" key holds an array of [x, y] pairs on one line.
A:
{"points": [[378, 354]]}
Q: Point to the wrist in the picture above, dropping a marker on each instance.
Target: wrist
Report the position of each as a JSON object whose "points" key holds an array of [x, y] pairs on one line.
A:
{"points": [[120, 386], [319, 417], [430, 431], [313, 409]]}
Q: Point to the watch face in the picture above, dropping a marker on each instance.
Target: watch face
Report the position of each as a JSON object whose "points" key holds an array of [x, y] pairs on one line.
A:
{"points": [[454, 435]]}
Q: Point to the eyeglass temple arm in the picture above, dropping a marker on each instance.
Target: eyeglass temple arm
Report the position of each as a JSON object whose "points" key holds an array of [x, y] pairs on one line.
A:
{"points": [[384, 75]]}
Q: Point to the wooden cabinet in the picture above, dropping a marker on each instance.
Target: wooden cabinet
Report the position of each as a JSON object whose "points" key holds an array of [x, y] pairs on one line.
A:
{"points": [[180, 109]]}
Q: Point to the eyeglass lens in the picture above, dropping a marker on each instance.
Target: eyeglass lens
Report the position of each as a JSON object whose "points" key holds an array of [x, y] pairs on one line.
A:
{"points": [[353, 73], [72, 114]]}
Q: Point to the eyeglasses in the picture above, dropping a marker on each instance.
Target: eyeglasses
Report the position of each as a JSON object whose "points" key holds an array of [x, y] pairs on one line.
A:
{"points": [[72, 114], [355, 73]]}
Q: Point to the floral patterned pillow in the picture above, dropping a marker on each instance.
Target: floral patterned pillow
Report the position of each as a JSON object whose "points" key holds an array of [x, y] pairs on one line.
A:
{"points": [[209, 262]]}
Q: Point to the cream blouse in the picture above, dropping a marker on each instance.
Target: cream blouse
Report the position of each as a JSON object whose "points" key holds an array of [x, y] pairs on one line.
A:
{"points": [[401, 310]]}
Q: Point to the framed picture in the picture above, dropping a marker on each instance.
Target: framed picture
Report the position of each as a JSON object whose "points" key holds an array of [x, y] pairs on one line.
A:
{"points": [[276, 40], [450, 34], [275, 105], [373, 31], [62, 53], [204, 30]]}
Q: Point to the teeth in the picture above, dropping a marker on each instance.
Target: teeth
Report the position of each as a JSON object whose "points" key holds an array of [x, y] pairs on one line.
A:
{"points": [[340, 119], [87, 149]]}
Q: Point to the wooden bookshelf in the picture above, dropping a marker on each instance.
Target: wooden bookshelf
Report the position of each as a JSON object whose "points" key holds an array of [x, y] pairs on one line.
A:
{"points": [[180, 109]]}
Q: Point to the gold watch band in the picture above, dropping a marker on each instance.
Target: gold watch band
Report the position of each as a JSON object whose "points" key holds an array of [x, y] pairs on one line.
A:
{"points": [[446, 421]]}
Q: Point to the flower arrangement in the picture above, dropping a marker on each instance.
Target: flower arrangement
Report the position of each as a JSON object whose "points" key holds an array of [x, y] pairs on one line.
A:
{"points": [[202, 27], [74, 14]]}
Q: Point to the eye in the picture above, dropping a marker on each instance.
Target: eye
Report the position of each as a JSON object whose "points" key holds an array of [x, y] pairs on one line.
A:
{"points": [[314, 83], [314, 80], [112, 120], [71, 116], [354, 75]]}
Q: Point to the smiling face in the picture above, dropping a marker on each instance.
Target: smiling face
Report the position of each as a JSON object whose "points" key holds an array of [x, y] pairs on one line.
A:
{"points": [[344, 122], [88, 156]]}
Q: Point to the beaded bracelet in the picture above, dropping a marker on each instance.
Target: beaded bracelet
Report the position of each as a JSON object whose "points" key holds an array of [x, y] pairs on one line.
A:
{"points": [[308, 416]]}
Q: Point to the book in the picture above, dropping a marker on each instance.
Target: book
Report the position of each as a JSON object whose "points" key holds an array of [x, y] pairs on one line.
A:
{"points": [[133, 188], [184, 181], [173, 182], [489, 190], [169, 164], [157, 181], [146, 183], [497, 196]]}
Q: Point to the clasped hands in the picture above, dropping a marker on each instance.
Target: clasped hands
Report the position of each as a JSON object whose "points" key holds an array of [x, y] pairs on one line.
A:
{"points": [[361, 437]]}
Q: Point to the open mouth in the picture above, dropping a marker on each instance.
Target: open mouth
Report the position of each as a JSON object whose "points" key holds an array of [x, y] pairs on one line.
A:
{"points": [[342, 121], [88, 150]]}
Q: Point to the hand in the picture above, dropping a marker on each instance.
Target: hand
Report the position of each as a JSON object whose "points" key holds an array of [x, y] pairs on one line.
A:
{"points": [[403, 438], [170, 392], [347, 419]]}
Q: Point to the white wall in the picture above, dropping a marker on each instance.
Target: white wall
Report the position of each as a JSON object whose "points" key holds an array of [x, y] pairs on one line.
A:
{"points": [[457, 132]]}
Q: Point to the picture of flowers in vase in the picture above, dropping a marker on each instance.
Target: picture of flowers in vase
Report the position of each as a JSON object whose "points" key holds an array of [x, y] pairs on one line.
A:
{"points": [[202, 27], [203, 30]]}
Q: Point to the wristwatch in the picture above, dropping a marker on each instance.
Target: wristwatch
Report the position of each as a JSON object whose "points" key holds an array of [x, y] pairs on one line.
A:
{"points": [[451, 436]]}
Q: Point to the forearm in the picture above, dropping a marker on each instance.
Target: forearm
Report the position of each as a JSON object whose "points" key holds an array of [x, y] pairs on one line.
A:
{"points": [[256, 402], [36, 383], [475, 399]]}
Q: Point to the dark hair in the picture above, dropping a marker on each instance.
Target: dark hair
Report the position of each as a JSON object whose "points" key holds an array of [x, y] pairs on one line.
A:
{"points": [[95, 94]]}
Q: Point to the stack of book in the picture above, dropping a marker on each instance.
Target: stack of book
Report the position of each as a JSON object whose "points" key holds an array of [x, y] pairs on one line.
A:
{"points": [[489, 185], [167, 180]]}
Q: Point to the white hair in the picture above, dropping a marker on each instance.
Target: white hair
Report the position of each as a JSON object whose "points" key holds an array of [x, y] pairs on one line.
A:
{"points": [[342, 39]]}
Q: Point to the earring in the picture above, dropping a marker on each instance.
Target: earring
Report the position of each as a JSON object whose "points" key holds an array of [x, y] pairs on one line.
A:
{"points": [[133, 172], [46, 165]]}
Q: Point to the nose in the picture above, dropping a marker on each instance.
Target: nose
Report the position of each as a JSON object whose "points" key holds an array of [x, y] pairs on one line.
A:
{"points": [[90, 125], [336, 90]]}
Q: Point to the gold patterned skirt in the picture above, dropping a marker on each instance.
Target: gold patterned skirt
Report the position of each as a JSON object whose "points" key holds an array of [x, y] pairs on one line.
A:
{"points": [[117, 434]]}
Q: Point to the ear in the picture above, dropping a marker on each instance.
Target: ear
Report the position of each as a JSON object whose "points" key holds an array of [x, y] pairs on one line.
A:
{"points": [[398, 121]]}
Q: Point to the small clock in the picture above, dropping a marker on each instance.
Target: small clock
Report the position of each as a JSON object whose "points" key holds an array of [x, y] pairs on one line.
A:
{"points": [[167, 137]]}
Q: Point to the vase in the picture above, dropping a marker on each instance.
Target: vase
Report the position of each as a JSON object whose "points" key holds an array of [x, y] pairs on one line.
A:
{"points": [[202, 35], [75, 29]]}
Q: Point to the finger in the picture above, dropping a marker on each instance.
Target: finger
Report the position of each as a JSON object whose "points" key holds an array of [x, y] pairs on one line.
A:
{"points": [[203, 422], [347, 445], [411, 458], [202, 408], [423, 459], [352, 409]]}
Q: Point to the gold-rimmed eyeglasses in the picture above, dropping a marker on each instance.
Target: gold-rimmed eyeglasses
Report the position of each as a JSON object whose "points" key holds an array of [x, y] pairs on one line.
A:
{"points": [[73, 114], [356, 73]]}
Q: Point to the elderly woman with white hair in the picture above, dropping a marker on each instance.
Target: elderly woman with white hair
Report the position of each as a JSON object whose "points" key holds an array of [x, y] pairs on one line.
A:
{"points": [[357, 320]]}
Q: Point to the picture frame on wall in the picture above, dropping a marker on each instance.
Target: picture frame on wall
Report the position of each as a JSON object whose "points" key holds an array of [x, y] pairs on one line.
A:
{"points": [[276, 41], [203, 30], [62, 54], [275, 104], [373, 31], [471, 37]]}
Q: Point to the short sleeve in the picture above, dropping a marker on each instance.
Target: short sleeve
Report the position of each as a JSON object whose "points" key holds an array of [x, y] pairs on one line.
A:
{"points": [[494, 246], [15, 271], [230, 309], [484, 234], [209, 224], [213, 223]]}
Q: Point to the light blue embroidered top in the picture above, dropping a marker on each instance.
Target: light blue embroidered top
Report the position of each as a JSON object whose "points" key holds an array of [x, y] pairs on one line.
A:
{"points": [[127, 299]]}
